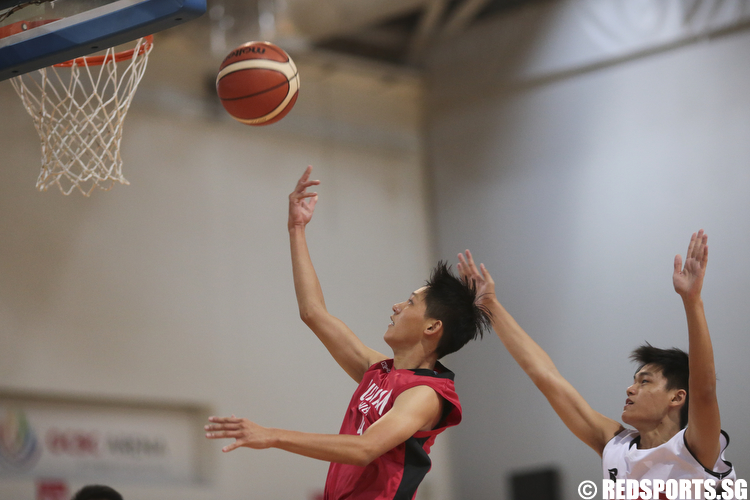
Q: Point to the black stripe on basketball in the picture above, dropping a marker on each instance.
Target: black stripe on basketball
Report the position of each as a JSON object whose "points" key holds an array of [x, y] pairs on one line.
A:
{"points": [[279, 52]]}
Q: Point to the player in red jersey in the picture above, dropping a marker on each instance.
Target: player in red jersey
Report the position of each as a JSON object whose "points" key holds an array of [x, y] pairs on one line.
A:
{"points": [[672, 439], [401, 403]]}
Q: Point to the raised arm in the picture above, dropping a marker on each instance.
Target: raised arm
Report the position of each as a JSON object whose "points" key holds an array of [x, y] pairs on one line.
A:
{"points": [[418, 408], [588, 425], [704, 422], [348, 351]]}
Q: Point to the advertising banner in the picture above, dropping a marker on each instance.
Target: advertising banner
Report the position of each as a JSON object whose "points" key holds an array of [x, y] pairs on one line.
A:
{"points": [[99, 442]]}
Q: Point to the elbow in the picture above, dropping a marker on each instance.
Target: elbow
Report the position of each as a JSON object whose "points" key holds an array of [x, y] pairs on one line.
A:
{"points": [[362, 462], [305, 316], [364, 450], [309, 316], [364, 455]]}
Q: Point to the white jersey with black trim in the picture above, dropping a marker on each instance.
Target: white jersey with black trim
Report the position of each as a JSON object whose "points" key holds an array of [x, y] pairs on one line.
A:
{"points": [[622, 459]]}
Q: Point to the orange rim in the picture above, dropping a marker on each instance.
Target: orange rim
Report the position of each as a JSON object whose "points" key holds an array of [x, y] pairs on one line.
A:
{"points": [[148, 41]]}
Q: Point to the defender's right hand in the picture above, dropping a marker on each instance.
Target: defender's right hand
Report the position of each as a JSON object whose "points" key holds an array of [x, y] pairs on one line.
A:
{"points": [[688, 280], [301, 202], [481, 278]]}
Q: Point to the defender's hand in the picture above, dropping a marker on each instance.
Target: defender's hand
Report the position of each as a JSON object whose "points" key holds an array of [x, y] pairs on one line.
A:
{"points": [[301, 202], [688, 280], [481, 278], [244, 432]]}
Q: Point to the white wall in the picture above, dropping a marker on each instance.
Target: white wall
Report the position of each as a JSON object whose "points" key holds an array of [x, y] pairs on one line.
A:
{"points": [[178, 288], [576, 186], [575, 174]]}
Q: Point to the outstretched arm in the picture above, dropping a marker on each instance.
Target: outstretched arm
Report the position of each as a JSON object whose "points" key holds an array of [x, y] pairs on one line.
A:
{"points": [[588, 425], [704, 422], [418, 408], [348, 351]]}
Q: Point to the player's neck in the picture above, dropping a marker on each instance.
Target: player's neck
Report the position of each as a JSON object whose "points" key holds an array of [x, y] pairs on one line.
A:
{"points": [[653, 436], [413, 359]]}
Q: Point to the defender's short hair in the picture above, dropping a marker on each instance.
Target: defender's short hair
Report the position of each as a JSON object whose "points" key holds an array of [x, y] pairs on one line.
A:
{"points": [[97, 492], [674, 366], [454, 302]]}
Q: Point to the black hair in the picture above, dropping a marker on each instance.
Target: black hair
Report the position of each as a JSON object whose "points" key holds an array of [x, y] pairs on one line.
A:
{"points": [[97, 492], [674, 367], [453, 301]]}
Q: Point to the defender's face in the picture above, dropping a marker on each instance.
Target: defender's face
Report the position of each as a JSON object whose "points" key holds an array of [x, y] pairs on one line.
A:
{"points": [[648, 398], [408, 320]]}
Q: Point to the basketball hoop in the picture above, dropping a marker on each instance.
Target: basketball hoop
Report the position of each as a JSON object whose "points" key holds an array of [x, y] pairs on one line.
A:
{"points": [[78, 109]]}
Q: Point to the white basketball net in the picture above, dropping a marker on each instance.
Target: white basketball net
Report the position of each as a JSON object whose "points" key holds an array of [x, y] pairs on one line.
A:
{"points": [[78, 109]]}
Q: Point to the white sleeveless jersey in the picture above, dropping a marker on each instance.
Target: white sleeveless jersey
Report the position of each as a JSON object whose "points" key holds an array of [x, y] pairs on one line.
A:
{"points": [[621, 459]]}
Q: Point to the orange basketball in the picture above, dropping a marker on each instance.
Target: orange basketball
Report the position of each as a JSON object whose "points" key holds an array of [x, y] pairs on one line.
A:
{"points": [[258, 83]]}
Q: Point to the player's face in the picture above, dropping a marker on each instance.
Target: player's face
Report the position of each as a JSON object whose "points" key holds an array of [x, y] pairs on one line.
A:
{"points": [[408, 321], [648, 399]]}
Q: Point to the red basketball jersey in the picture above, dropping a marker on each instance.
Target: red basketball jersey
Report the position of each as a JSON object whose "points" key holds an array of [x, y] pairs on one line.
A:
{"points": [[396, 474]]}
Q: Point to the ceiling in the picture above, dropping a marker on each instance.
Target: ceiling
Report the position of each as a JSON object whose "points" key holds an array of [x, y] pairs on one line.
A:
{"points": [[397, 32]]}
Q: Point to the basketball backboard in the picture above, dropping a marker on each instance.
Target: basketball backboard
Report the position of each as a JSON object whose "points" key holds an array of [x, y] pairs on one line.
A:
{"points": [[38, 33]]}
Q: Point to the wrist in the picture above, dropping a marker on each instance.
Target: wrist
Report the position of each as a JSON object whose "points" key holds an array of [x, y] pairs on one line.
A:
{"points": [[692, 300], [296, 228], [489, 299], [273, 438]]}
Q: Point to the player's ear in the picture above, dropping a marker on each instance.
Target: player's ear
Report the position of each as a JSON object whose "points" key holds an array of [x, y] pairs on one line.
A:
{"points": [[678, 397], [434, 327]]}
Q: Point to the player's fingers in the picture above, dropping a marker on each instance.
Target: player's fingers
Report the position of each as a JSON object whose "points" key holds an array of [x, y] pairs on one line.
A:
{"points": [[704, 262], [462, 266], [218, 419], [303, 183], [215, 433], [677, 264], [701, 244], [231, 447], [464, 275], [486, 274], [306, 174], [225, 420], [691, 246], [472, 266], [224, 434], [301, 191], [222, 427], [313, 201], [304, 178], [467, 269], [231, 422]]}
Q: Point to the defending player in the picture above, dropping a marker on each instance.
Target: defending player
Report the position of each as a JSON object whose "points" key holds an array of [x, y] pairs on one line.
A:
{"points": [[401, 404], [672, 439]]}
